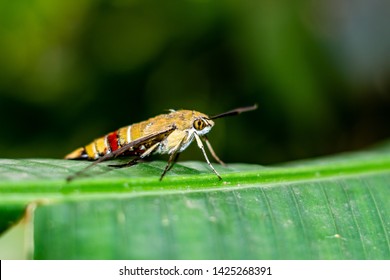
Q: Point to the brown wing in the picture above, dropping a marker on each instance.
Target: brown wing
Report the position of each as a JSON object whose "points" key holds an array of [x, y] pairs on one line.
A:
{"points": [[146, 140]]}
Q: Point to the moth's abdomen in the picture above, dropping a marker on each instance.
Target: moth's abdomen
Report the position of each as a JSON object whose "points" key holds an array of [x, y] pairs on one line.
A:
{"points": [[103, 145], [77, 154]]}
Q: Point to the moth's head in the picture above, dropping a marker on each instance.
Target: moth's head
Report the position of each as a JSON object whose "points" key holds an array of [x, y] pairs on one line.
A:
{"points": [[201, 123]]}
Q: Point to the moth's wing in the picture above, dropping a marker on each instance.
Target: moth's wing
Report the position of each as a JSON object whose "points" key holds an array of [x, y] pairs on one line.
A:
{"points": [[140, 141], [135, 143]]}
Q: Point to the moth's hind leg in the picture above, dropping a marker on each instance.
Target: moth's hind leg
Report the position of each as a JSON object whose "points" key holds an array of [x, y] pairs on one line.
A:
{"points": [[132, 162]]}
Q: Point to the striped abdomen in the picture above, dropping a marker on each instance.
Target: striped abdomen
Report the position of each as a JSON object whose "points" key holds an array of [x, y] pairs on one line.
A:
{"points": [[109, 143]]}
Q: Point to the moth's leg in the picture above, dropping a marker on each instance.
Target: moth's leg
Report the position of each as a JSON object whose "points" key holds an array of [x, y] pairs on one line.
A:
{"points": [[171, 161], [174, 161], [200, 145], [212, 151], [172, 158], [130, 163], [135, 160]]}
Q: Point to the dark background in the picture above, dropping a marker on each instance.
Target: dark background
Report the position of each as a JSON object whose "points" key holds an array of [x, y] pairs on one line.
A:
{"points": [[71, 71]]}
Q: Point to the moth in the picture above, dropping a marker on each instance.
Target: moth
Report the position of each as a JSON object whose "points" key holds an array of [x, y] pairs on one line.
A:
{"points": [[168, 134]]}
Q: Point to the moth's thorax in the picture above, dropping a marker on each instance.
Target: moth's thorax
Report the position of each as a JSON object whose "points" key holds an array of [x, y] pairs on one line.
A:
{"points": [[182, 120], [186, 122]]}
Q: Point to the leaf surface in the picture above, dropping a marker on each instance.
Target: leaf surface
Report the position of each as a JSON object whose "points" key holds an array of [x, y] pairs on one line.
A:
{"points": [[328, 208]]}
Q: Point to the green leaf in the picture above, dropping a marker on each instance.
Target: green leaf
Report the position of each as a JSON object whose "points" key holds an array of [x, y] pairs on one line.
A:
{"points": [[328, 208]]}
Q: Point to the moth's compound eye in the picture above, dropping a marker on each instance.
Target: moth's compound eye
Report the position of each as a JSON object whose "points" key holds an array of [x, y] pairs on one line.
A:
{"points": [[199, 124]]}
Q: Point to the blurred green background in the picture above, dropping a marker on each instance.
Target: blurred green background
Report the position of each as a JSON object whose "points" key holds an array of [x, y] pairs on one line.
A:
{"points": [[74, 70]]}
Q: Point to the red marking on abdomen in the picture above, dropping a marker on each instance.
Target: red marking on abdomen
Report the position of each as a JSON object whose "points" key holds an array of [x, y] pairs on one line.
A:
{"points": [[113, 141]]}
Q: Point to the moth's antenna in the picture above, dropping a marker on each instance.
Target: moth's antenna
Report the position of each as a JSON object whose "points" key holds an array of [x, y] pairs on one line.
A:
{"points": [[234, 112]]}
